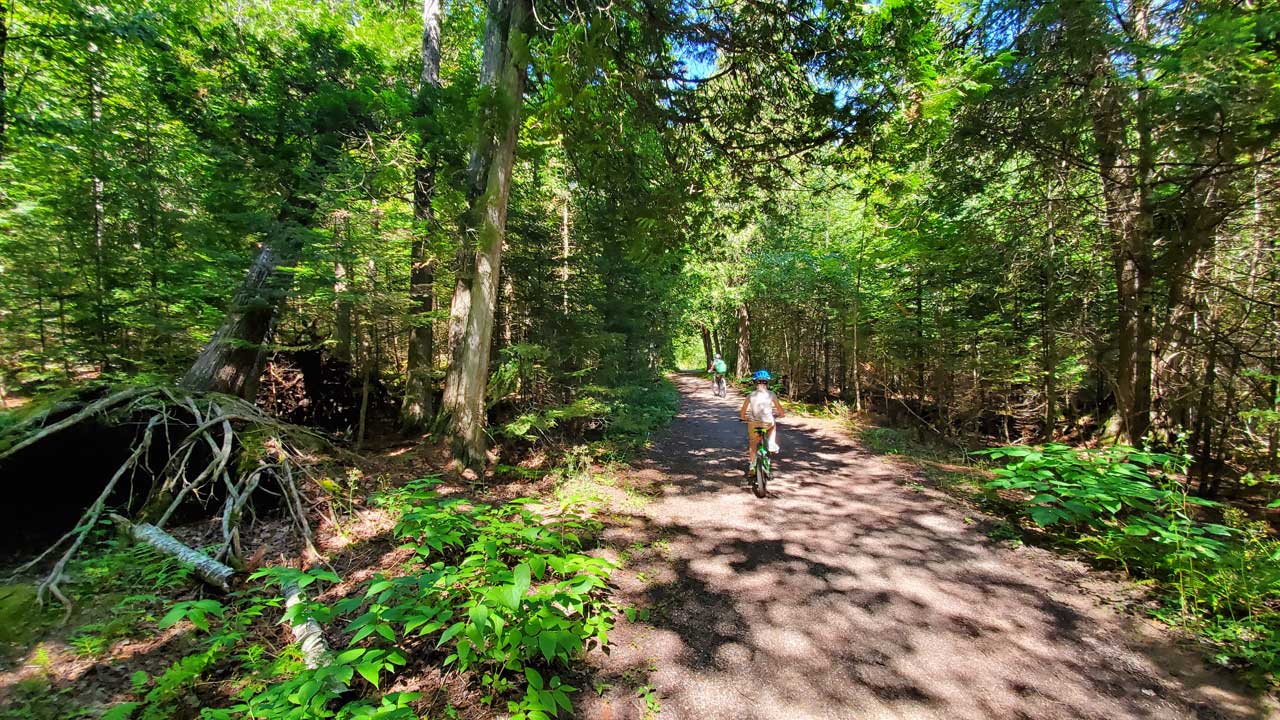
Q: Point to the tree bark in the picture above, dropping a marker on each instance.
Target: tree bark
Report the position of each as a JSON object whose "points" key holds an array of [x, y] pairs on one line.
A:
{"points": [[919, 349], [306, 631], [416, 409], [4, 71], [97, 191], [1201, 441], [857, 358], [483, 226], [743, 366], [343, 319], [233, 359], [564, 255], [206, 568], [706, 345], [1048, 338], [1129, 224]]}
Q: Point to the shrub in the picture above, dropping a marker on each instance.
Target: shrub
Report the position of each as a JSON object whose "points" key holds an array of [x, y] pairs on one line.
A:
{"points": [[1131, 507], [503, 592], [503, 589]]}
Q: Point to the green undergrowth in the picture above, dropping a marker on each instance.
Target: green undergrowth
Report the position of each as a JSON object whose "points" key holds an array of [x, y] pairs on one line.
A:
{"points": [[119, 591], [833, 410], [611, 423], [1212, 571], [504, 595], [1131, 509]]}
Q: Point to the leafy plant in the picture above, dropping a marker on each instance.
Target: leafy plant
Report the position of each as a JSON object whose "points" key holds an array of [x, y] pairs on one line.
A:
{"points": [[503, 590], [1131, 507]]}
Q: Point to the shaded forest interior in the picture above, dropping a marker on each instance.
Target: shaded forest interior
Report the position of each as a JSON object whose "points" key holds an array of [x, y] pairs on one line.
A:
{"points": [[284, 237]]}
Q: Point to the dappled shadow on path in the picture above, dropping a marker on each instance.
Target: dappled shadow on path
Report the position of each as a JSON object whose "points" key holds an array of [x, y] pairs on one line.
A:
{"points": [[847, 594]]}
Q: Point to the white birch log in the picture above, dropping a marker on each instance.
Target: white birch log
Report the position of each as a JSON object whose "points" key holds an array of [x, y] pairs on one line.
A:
{"points": [[306, 632], [210, 570]]}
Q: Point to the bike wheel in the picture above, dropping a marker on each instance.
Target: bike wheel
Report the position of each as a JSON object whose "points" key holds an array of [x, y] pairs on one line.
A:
{"points": [[761, 486]]}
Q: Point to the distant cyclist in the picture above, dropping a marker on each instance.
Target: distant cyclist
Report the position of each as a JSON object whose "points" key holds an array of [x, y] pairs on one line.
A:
{"points": [[761, 409], [718, 369]]}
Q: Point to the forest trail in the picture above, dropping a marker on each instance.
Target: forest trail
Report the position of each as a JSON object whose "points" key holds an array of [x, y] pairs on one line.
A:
{"points": [[854, 593]]}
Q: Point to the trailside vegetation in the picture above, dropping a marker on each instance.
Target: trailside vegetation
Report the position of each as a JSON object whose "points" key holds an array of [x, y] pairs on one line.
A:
{"points": [[246, 247]]}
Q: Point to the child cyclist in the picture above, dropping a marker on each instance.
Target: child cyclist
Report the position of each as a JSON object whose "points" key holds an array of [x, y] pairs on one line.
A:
{"points": [[717, 371], [761, 409]]}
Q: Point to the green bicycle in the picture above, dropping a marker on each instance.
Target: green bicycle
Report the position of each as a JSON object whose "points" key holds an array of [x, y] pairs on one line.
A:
{"points": [[764, 469]]}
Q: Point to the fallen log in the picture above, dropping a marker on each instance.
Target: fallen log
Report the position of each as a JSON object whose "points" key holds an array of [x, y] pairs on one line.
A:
{"points": [[206, 568], [89, 411], [306, 631]]}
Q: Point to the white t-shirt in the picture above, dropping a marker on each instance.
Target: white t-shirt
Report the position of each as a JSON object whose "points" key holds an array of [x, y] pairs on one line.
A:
{"points": [[760, 407]]}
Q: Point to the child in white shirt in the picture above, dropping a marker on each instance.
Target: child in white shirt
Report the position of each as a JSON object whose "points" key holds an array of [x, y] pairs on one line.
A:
{"points": [[761, 409]]}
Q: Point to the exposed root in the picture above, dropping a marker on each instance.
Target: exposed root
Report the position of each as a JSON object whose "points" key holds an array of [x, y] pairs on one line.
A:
{"points": [[23, 440], [214, 445]]}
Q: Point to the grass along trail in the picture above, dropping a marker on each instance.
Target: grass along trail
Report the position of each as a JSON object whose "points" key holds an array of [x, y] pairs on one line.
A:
{"points": [[853, 592]]}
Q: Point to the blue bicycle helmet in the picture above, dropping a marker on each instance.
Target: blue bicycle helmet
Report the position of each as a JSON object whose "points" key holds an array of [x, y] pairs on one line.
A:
{"points": [[762, 376]]}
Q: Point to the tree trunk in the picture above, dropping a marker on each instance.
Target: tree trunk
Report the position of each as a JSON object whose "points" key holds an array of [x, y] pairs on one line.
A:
{"points": [[1229, 411], [307, 632], [1129, 224], [1048, 340], [96, 193], [743, 368], [233, 359], [4, 70], [919, 349], [1201, 442], [206, 568], [1273, 368], [416, 409], [706, 345], [857, 359], [826, 362], [483, 226], [343, 320], [564, 256]]}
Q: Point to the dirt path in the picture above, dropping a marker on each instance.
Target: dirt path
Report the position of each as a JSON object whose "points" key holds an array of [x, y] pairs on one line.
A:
{"points": [[853, 593]]}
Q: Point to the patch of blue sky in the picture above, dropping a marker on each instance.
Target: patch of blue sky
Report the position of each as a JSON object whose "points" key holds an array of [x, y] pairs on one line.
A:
{"points": [[696, 61]]}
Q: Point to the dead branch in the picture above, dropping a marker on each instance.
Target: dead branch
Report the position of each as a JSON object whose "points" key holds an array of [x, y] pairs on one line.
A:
{"points": [[306, 631], [50, 584], [215, 422]]}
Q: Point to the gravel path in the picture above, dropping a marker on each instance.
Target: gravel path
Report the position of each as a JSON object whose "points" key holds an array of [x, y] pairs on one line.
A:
{"points": [[855, 593]]}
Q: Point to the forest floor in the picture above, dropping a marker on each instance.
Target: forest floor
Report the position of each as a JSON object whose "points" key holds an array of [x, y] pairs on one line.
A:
{"points": [[856, 591]]}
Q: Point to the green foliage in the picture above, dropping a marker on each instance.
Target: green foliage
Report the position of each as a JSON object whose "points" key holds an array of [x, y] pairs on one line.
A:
{"points": [[540, 423], [637, 412], [1088, 487], [619, 420], [122, 585], [504, 590], [1130, 507], [196, 612]]}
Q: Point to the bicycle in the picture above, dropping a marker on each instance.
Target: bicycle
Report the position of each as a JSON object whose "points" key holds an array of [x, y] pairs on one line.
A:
{"points": [[764, 469], [719, 387]]}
